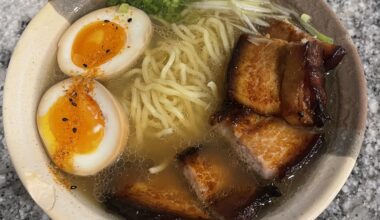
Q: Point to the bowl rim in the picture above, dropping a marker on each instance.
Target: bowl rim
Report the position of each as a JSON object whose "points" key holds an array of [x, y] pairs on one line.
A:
{"points": [[66, 200]]}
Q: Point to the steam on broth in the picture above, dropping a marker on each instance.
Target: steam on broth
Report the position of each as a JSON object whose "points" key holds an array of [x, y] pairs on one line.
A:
{"points": [[200, 145]]}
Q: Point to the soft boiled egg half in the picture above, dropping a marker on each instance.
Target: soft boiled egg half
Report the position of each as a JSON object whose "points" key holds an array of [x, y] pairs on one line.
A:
{"points": [[106, 42], [83, 127]]}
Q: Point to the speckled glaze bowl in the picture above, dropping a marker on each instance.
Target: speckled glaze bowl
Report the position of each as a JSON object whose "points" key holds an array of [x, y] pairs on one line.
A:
{"points": [[34, 68]]}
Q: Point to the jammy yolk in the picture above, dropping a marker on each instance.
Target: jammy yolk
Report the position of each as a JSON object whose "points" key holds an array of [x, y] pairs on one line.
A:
{"points": [[96, 43], [77, 124]]}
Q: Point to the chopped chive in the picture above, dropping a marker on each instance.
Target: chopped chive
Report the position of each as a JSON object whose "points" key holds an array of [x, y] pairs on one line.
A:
{"points": [[305, 21], [124, 8]]}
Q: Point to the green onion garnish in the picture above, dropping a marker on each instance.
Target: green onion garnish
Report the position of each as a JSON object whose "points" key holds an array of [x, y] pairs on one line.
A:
{"points": [[124, 8], [305, 22]]}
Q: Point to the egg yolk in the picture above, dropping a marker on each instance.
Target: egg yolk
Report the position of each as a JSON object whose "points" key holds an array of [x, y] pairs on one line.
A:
{"points": [[76, 124], [96, 43]]}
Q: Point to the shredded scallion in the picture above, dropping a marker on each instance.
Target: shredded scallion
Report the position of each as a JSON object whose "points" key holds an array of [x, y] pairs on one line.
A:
{"points": [[306, 18], [254, 12], [251, 12], [305, 22]]}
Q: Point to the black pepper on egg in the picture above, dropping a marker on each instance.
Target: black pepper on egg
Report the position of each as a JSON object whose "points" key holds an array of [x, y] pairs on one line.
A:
{"points": [[72, 102]]}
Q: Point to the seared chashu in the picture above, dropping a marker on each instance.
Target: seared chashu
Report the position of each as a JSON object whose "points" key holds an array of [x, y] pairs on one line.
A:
{"points": [[268, 145], [279, 78], [165, 194], [222, 186]]}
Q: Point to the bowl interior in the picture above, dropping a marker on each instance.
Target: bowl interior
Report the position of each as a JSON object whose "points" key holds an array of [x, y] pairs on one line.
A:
{"points": [[34, 68]]}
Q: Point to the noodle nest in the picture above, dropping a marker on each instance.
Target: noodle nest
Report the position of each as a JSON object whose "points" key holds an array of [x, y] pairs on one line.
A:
{"points": [[174, 88]]}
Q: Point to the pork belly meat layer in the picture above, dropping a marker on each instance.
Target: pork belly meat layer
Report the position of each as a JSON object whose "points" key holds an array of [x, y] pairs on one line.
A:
{"points": [[221, 186], [164, 195], [254, 75], [268, 145]]}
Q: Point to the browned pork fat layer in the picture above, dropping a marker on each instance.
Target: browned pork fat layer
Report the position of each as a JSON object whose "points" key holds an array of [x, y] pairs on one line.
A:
{"points": [[303, 96], [332, 54]]}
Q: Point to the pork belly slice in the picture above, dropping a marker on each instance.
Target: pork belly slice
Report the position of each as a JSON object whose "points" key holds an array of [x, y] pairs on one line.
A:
{"points": [[254, 75], [268, 145], [220, 185], [332, 54], [303, 95], [165, 194], [279, 78]]}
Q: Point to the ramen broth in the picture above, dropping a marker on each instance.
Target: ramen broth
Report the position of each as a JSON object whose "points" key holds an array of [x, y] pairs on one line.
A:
{"points": [[138, 157], [163, 149]]}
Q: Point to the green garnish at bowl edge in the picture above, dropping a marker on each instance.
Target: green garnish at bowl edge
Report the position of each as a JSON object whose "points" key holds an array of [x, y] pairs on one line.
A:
{"points": [[305, 21], [170, 10], [251, 12], [124, 8]]}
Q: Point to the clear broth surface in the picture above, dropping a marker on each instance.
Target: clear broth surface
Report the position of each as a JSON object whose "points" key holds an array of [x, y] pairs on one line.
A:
{"points": [[134, 163]]}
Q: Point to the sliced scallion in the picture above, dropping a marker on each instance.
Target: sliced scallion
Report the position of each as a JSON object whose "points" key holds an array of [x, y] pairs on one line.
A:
{"points": [[305, 22], [124, 8]]}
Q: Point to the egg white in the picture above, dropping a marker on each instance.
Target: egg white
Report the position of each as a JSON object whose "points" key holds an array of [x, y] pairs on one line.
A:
{"points": [[138, 35], [115, 131]]}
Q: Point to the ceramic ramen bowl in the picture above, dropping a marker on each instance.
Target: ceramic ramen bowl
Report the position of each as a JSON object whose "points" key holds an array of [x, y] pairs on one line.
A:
{"points": [[33, 69]]}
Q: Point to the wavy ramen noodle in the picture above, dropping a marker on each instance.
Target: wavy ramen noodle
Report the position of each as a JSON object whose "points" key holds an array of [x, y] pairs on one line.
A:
{"points": [[174, 89]]}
